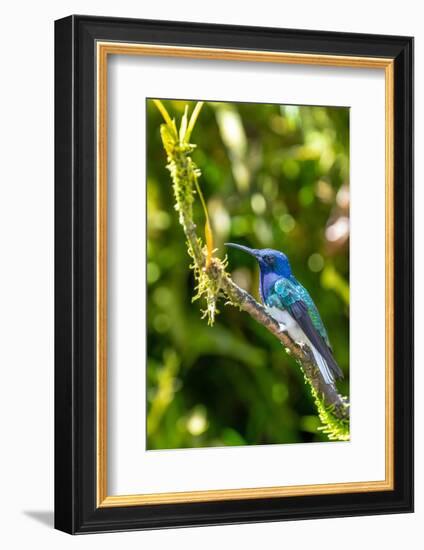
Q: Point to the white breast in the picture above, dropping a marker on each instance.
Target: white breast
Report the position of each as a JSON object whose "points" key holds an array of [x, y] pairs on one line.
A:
{"points": [[288, 324]]}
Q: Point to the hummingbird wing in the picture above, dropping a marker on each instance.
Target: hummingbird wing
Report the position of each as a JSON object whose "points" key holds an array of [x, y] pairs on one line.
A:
{"points": [[297, 301], [299, 312]]}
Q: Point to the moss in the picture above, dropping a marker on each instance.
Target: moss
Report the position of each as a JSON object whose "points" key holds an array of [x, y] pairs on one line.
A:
{"points": [[336, 429], [185, 174]]}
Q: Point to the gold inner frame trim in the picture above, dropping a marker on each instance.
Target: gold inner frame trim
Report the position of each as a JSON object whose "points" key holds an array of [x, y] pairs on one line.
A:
{"points": [[104, 49]]}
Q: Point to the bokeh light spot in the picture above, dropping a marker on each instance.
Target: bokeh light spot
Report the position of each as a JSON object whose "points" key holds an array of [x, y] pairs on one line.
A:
{"points": [[161, 220], [309, 423], [306, 195], [315, 262], [287, 223], [338, 230], [258, 203], [197, 422], [162, 296], [280, 393], [153, 272], [263, 231], [290, 168], [161, 323]]}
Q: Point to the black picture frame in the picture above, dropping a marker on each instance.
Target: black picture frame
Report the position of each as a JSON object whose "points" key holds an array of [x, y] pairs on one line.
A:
{"points": [[76, 508]]}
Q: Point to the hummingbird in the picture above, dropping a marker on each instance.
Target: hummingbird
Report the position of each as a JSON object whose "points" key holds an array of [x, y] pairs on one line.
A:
{"points": [[291, 305]]}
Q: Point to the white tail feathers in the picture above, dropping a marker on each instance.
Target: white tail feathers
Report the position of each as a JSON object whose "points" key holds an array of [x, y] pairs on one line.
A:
{"points": [[323, 367]]}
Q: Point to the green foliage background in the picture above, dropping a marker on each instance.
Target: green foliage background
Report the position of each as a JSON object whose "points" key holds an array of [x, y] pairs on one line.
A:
{"points": [[272, 176]]}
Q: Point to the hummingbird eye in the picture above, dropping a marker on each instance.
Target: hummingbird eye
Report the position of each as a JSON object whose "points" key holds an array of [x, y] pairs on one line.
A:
{"points": [[270, 260]]}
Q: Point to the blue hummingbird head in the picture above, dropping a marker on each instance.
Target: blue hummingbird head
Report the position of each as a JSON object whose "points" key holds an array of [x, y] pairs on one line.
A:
{"points": [[270, 261], [273, 265]]}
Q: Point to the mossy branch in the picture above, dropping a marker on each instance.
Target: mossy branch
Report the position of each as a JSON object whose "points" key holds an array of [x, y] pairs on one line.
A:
{"points": [[213, 281]]}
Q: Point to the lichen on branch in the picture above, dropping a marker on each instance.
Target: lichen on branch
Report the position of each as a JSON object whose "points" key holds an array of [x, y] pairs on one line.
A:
{"points": [[213, 282]]}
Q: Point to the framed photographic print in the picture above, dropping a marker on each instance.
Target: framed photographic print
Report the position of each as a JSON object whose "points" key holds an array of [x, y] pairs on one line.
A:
{"points": [[234, 274]]}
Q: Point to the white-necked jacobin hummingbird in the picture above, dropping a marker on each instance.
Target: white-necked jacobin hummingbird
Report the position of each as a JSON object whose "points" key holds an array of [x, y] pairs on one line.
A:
{"points": [[291, 305]]}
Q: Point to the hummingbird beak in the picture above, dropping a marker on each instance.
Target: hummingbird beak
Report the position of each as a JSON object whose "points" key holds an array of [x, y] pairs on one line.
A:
{"points": [[251, 251]]}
